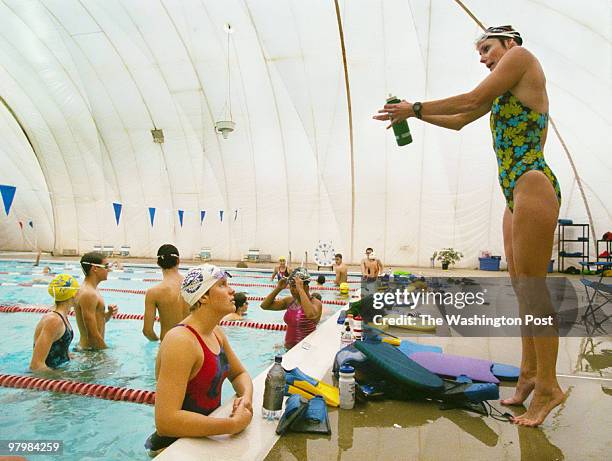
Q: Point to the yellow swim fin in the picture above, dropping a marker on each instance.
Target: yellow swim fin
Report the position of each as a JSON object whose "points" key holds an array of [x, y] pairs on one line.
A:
{"points": [[392, 341], [296, 390], [306, 385]]}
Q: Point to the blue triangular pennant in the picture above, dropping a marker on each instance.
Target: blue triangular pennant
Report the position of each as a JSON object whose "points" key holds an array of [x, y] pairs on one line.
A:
{"points": [[31, 224], [151, 215], [180, 213], [202, 216], [8, 194], [221, 215], [117, 207]]}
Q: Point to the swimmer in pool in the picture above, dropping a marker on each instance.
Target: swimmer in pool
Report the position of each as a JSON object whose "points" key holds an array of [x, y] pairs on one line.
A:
{"points": [[194, 359], [282, 270], [164, 298], [53, 333], [303, 311], [242, 305], [91, 313]]}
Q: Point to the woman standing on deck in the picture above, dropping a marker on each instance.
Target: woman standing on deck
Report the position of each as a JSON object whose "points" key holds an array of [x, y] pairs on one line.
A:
{"points": [[515, 94]]}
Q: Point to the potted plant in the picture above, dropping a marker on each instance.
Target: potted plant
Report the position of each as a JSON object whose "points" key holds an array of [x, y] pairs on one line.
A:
{"points": [[433, 259], [448, 256]]}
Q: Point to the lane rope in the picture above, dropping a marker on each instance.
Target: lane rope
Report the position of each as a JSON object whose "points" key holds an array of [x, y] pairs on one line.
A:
{"points": [[35, 309], [65, 386], [142, 292]]}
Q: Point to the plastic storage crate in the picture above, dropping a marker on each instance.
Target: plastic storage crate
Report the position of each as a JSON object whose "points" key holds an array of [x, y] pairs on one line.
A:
{"points": [[490, 264]]}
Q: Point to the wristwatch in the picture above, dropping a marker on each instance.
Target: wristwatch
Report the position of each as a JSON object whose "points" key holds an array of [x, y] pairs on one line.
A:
{"points": [[416, 108]]}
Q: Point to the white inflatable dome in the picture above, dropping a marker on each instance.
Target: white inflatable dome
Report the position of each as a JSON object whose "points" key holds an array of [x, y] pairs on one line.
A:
{"points": [[84, 83]]}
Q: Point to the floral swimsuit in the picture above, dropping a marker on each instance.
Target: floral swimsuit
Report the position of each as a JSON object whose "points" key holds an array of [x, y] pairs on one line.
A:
{"points": [[517, 139]]}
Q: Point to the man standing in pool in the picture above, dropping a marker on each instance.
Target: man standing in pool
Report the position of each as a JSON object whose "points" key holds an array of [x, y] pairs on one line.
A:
{"points": [[90, 309], [341, 270], [164, 297]]}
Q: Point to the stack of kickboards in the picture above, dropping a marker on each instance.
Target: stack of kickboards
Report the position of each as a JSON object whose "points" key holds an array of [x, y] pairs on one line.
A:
{"points": [[412, 371]]}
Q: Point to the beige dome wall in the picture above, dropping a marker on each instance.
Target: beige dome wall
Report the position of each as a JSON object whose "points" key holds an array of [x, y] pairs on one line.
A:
{"points": [[89, 81]]}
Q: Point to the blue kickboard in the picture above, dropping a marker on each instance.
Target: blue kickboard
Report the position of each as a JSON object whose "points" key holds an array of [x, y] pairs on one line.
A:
{"points": [[505, 372], [409, 348], [482, 391], [394, 364]]}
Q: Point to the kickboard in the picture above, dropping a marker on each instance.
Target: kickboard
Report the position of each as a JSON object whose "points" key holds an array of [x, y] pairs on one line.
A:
{"points": [[408, 347], [500, 370], [456, 365], [506, 372], [398, 366], [469, 392]]}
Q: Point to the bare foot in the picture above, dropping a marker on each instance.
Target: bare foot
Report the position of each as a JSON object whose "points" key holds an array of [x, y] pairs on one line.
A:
{"points": [[522, 391], [541, 405]]}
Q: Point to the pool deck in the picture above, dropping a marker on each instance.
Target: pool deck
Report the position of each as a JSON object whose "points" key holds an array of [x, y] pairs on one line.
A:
{"points": [[578, 429]]}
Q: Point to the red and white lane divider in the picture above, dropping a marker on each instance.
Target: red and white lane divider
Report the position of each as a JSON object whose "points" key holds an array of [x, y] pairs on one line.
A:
{"points": [[266, 285], [142, 292], [65, 386], [325, 301], [256, 325], [12, 308]]}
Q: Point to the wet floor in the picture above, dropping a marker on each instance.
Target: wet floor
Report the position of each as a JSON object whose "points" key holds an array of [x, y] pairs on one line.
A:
{"points": [[393, 430]]}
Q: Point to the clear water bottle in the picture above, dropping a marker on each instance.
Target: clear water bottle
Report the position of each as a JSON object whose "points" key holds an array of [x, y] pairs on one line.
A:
{"points": [[347, 387], [274, 391], [346, 337], [400, 129]]}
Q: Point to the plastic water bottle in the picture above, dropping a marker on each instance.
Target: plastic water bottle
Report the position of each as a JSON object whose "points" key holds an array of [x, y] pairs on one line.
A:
{"points": [[349, 319], [347, 337], [347, 387], [274, 391], [401, 129], [358, 328]]}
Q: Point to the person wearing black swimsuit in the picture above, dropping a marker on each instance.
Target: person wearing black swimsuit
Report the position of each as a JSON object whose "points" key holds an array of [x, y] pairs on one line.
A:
{"points": [[53, 333]]}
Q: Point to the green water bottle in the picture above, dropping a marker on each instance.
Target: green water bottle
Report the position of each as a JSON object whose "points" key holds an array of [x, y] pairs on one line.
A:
{"points": [[401, 129]]}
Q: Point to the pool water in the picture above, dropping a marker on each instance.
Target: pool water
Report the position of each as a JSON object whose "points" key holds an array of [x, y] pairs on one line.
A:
{"points": [[92, 428], [130, 359], [132, 279]]}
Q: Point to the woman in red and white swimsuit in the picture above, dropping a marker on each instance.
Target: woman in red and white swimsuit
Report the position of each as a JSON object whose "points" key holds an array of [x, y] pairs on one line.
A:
{"points": [[194, 359], [303, 312]]}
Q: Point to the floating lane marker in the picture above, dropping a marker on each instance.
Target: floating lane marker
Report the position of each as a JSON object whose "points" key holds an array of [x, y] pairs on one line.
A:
{"points": [[142, 292], [65, 386], [35, 309]]}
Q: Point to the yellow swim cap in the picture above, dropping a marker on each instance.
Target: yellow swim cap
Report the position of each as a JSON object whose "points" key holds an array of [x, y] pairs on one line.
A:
{"points": [[63, 287], [344, 287]]}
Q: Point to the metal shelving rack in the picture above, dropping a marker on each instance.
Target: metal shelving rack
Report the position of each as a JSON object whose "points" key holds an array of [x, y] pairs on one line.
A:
{"points": [[562, 241]]}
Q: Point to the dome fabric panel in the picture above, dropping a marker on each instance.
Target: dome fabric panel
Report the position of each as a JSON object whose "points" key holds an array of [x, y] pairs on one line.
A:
{"points": [[89, 81]]}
